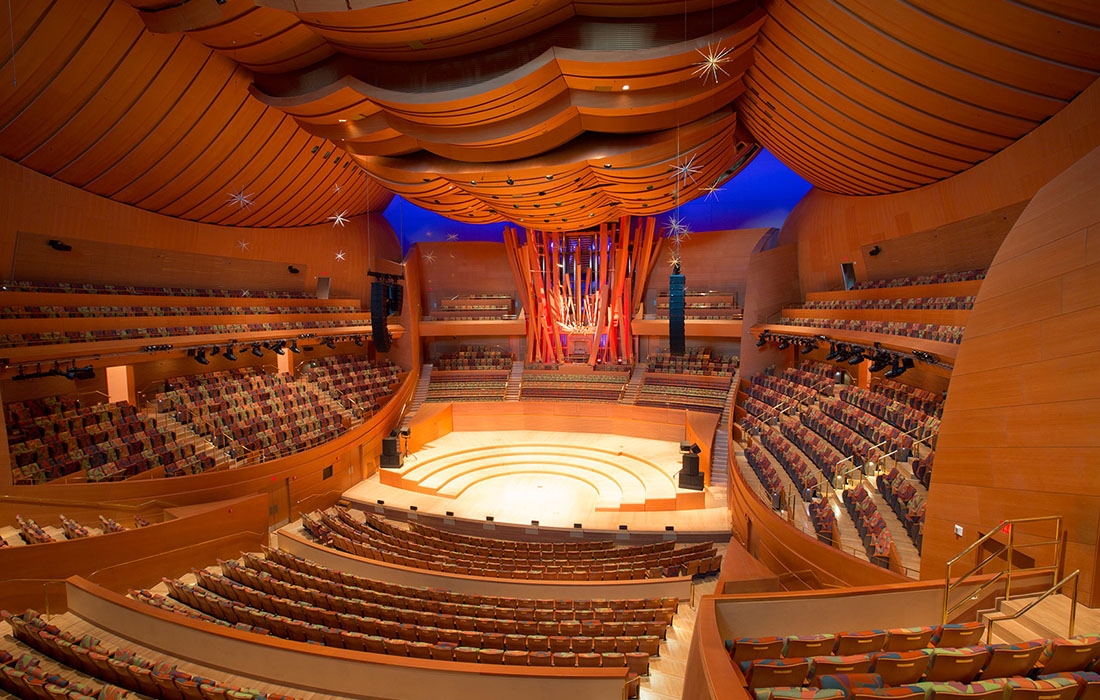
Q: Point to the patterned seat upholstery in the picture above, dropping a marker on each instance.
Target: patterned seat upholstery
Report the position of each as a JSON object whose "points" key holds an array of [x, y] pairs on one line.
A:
{"points": [[1088, 683], [747, 649], [908, 638], [1074, 654], [901, 692], [768, 673], [962, 634], [848, 682], [960, 665], [901, 667], [1051, 688], [834, 665], [1011, 659], [809, 645], [798, 694], [859, 642]]}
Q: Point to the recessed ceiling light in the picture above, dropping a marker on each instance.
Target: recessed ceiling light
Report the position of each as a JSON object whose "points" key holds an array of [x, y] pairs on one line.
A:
{"points": [[341, 120], [626, 87]]}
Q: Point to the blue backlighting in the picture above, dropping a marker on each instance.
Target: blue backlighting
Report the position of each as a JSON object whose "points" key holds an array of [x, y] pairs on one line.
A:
{"points": [[760, 196]]}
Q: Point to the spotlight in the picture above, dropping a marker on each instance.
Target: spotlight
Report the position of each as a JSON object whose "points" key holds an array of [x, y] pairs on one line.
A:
{"points": [[874, 251], [808, 347], [277, 348], [510, 181], [881, 361], [843, 352], [856, 359], [292, 270], [58, 245], [901, 365], [294, 347], [330, 343], [214, 351], [229, 354], [763, 340], [784, 343], [256, 350], [200, 357], [358, 340], [833, 352]]}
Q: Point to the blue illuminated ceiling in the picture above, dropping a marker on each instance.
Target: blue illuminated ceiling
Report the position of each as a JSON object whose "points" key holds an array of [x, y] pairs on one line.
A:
{"points": [[760, 196]]}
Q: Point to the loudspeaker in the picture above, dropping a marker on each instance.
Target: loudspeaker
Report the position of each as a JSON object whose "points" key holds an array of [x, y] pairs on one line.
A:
{"points": [[676, 314], [389, 446], [690, 478], [391, 461], [380, 334], [394, 295]]}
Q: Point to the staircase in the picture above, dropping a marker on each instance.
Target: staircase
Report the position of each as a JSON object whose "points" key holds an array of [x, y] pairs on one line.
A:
{"points": [[907, 551], [186, 436], [630, 393], [514, 382], [1049, 619], [419, 395], [326, 399]]}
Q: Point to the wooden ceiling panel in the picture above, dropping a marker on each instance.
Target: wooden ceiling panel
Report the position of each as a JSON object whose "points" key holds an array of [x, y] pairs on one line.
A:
{"points": [[876, 96], [161, 122]]}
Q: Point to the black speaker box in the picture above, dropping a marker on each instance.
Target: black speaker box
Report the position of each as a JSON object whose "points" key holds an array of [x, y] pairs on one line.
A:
{"points": [[690, 477], [676, 314], [391, 461], [389, 446], [380, 334], [394, 296]]}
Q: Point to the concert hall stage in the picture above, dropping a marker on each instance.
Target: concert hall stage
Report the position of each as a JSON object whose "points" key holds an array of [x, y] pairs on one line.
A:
{"points": [[601, 465]]}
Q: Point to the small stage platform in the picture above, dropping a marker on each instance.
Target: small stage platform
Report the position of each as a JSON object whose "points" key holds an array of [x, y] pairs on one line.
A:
{"points": [[559, 477]]}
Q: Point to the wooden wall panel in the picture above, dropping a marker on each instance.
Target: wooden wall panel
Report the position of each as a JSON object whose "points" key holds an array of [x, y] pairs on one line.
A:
{"points": [[771, 285], [1019, 434], [717, 260], [831, 228], [466, 267], [34, 203]]}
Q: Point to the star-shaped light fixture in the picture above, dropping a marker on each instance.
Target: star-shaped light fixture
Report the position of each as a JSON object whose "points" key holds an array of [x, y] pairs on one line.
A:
{"points": [[683, 170], [340, 256], [242, 200], [428, 257], [673, 261], [339, 220], [675, 226], [711, 65], [337, 188], [712, 191], [452, 236], [243, 245]]}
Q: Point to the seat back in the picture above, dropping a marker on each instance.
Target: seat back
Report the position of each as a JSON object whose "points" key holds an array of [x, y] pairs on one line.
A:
{"points": [[1056, 688], [769, 673], [1007, 660], [901, 667], [1070, 654], [959, 665]]}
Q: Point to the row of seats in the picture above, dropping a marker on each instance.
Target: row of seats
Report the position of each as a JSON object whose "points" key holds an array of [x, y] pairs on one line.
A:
{"points": [[787, 387], [246, 411], [8, 312], [468, 385], [118, 667], [307, 623], [310, 574], [902, 416], [920, 399], [31, 533], [489, 544], [602, 386], [966, 302], [685, 562], [922, 469], [844, 439], [104, 442], [11, 340], [469, 357], [354, 381], [871, 427], [469, 307], [703, 392], [924, 331], [937, 278], [907, 502], [693, 361], [870, 524], [816, 382], [649, 558], [766, 473], [69, 288], [816, 448]]}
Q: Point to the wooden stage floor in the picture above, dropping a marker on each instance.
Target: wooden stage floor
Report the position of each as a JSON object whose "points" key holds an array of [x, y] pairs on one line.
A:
{"points": [[557, 478]]}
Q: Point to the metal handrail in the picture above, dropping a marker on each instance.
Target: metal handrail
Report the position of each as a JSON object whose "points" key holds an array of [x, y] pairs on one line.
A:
{"points": [[1046, 594], [1008, 549]]}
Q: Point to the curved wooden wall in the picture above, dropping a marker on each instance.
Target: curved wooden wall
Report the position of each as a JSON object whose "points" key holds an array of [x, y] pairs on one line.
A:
{"points": [[833, 228], [876, 96], [336, 672], [1019, 435], [30, 575]]}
